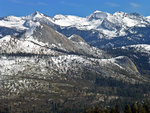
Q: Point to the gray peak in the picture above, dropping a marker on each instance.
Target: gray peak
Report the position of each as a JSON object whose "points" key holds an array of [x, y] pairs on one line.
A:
{"points": [[135, 14], [36, 13]]}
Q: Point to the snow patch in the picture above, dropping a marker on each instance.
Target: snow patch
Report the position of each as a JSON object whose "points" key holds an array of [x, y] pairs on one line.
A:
{"points": [[33, 26], [5, 39], [13, 22]]}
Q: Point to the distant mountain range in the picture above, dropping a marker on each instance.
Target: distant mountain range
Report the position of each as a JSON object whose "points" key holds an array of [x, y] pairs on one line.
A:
{"points": [[99, 29], [65, 60]]}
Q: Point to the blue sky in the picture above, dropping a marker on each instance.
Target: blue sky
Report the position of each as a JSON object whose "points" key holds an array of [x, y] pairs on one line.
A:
{"points": [[72, 7]]}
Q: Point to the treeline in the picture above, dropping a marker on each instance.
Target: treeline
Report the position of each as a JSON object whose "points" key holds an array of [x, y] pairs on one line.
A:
{"points": [[21, 54], [128, 108], [133, 108]]}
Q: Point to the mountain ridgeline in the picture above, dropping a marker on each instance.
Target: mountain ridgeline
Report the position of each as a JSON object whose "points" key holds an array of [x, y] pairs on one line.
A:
{"points": [[65, 63]]}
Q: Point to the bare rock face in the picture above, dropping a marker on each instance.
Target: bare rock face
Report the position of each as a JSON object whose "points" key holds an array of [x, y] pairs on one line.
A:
{"points": [[127, 64], [48, 35], [77, 38]]}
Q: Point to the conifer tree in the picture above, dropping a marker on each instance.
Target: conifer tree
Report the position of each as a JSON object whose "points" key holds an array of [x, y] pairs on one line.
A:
{"points": [[127, 109], [141, 109], [113, 110], [117, 108], [134, 108]]}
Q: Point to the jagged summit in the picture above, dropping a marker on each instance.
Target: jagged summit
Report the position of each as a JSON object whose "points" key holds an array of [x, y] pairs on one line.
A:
{"points": [[135, 14], [120, 13], [36, 12], [35, 15]]}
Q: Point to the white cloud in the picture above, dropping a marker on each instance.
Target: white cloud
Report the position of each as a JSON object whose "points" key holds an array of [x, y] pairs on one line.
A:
{"points": [[134, 5], [112, 4]]}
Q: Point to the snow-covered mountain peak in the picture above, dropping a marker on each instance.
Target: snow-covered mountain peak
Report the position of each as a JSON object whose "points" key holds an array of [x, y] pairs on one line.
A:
{"points": [[35, 15], [69, 20], [148, 17], [12, 18], [97, 15], [97, 11], [59, 16], [13, 22], [119, 13], [21, 23]]}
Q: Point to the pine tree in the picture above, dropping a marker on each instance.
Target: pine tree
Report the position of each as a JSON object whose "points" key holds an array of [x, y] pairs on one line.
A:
{"points": [[97, 110], [147, 107], [113, 110], [106, 111], [141, 109], [117, 108], [127, 109], [134, 108]]}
